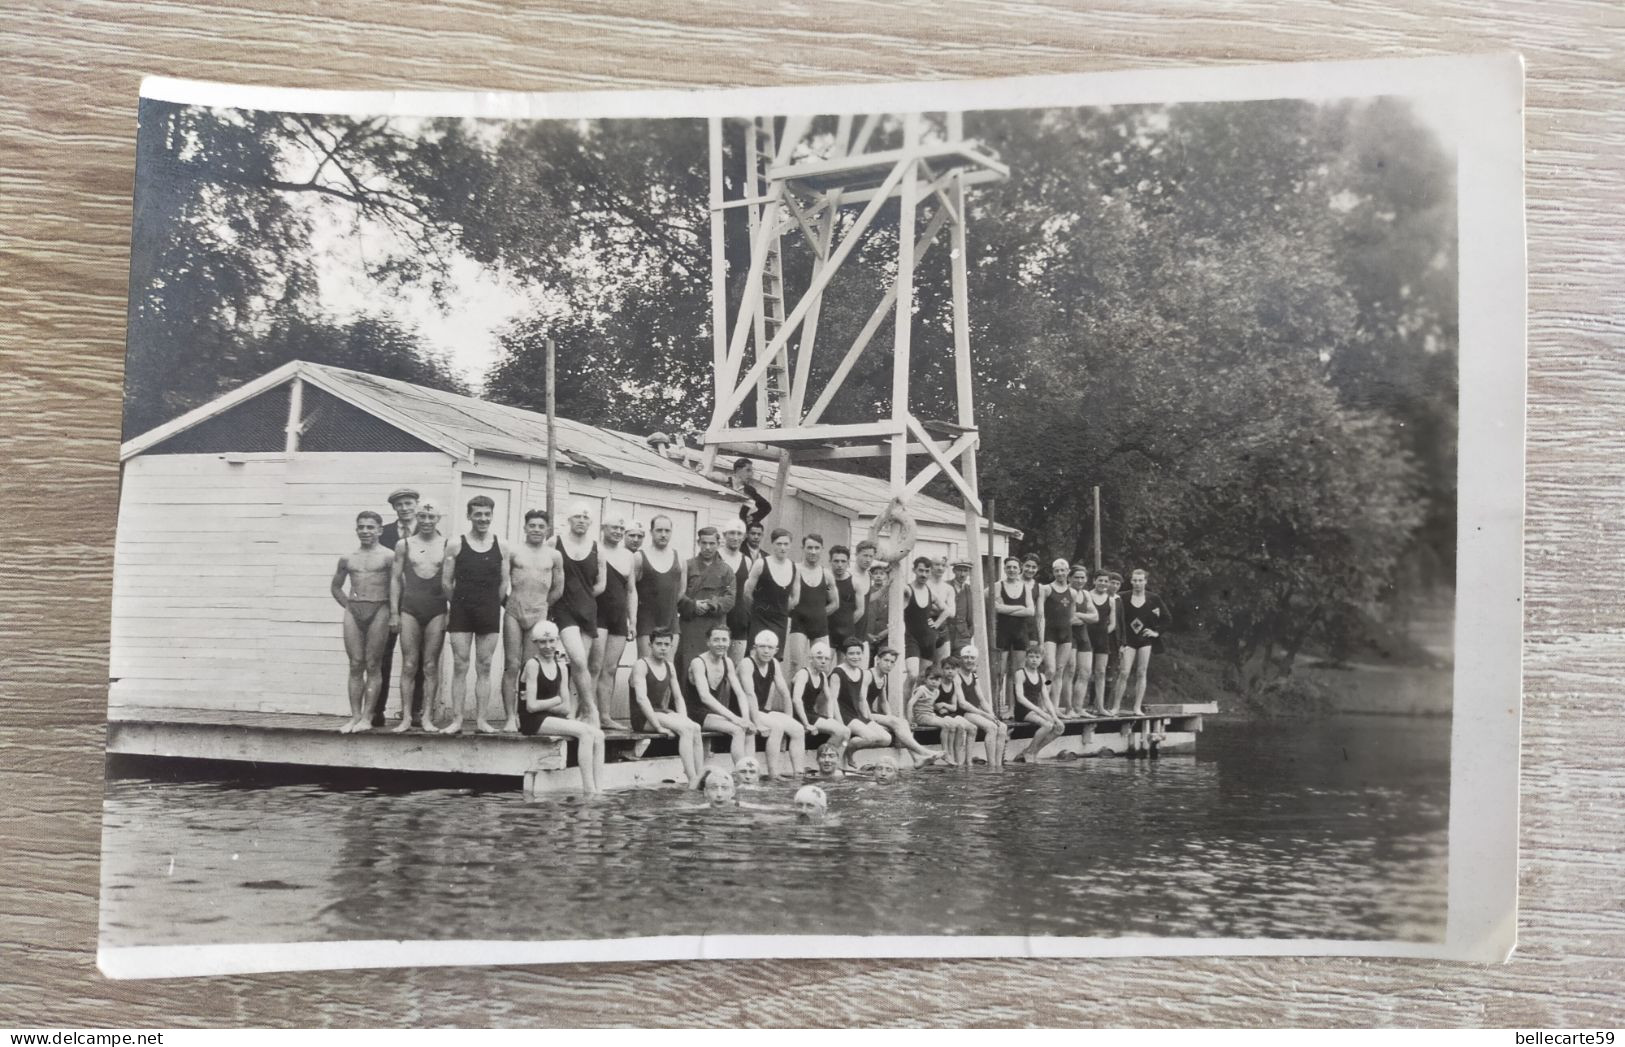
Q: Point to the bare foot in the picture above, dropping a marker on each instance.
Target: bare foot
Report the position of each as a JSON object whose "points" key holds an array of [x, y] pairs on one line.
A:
{"points": [[364, 725], [402, 727], [607, 724], [455, 727], [428, 725], [349, 725], [512, 725], [481, 727]]}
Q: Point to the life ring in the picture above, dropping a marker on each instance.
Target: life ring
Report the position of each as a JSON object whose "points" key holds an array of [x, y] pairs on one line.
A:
{"points": [[894, 532]]}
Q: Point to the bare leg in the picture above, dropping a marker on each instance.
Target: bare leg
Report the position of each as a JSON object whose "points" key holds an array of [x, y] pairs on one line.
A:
{"points": [[411, 653], [485, 646], [1142, 663], [898, 728], [575, 648], [797, 651], [839, 734], [373, 652], [608, 649], [589, 747], [513, 656], [741, 743], [430, 651], [1120, 684], [462, 644], [688, 743], [355, 648]]}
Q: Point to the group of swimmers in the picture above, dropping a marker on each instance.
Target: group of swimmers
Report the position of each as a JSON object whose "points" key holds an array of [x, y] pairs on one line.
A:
{"points": [[739, 640]]}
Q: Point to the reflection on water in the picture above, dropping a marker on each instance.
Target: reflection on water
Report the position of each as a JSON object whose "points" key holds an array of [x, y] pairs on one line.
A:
{"points": [[1331, 830]]}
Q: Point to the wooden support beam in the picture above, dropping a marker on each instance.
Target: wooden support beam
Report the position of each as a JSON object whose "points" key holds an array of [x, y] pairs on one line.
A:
{"points": [[296, 416], [866, 131], [857, 451], [861, 163], [780, 435], [719, 264], [748, 307], [964, 389], [901, 342], [944, 464], [853, 197], [871, 326], [725, 409]]}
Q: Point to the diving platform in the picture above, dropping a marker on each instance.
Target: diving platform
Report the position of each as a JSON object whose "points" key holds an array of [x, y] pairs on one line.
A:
{"points": [[547, 765]]}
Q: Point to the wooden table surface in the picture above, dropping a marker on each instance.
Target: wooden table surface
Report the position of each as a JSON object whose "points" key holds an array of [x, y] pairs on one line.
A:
{"points": [[67, 136]]}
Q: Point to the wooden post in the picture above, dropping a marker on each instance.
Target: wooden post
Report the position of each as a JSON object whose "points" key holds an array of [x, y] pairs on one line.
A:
{"points": [[719, 263], [296, 415], [986, 650], [1097, 527], [908, 194], [552, 439]]}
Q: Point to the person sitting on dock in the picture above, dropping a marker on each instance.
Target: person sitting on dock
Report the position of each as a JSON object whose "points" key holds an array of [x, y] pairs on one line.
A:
{"points": [[721, 703], [545, 706], [1012, 609], [708, 596], [617, 613], [739, 561], [1036, 704], [816, 599], [475, 573], [576, 610], [1145, 616], [811, 702], [657, 575], [417, 612], [877, 703], [975, 708], [535, 580], [366, 616], [927, 708], [848, 685], [658, 707], [774, 719]]}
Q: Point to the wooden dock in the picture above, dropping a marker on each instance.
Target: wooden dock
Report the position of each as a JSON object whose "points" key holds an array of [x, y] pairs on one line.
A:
{"points": [[544, 765]]}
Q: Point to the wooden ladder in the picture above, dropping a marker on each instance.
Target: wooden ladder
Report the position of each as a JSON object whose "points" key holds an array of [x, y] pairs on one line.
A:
{"points": [[771, 390]]}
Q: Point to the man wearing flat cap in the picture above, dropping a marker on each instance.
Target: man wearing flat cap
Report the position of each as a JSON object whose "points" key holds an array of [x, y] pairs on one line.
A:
{"points": [[404, 500]]}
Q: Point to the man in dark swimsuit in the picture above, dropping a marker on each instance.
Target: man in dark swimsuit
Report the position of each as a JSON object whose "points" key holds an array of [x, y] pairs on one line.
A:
{"points": [[657, 698], [366, 615], [1012, 609], [658, 575], [721, 703], [576, 611], [843, 621], [617, 613], [544, 706], [417, 614], [739, 561], [404, 500], [475, 575], [815, 600], [708, 596], [635, 534]]}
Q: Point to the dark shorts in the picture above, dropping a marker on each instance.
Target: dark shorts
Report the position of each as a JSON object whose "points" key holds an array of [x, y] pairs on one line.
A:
{"points": [[481, 619], [1137, 642], [565, 616], [532, 723], [781, 630], [612, 620], [1011, 634], [920, 643], [1057, 632], [1080, 639]]}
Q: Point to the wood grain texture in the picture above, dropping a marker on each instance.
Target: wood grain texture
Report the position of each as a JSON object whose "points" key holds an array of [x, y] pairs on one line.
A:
{"points": [[67, 126]]}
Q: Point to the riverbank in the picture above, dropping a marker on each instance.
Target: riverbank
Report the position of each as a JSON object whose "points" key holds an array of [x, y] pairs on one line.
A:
{"points": [[1315, 688]]}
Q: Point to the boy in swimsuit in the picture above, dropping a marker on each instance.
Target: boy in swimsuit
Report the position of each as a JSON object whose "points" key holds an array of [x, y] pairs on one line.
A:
{"points": [[475, 575], [417, 612], [974, 707], [1055, 597], [535, 580], [1012, 610], [657, 703], [878, 708], [1115, 671], [1101, 629], [875, 626], [617, 614], [926, 709], [848, 688], [774, 721], [660, 577], [366, 616], [813, 702], [576, 611], [816, 598], [1075, 691], [722, 703], [843, 620], [1145, 616], [545, 709], [1036, 705]]}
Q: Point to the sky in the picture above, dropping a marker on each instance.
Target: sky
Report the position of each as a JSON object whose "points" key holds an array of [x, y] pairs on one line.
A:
{"points": [[482, 302]]}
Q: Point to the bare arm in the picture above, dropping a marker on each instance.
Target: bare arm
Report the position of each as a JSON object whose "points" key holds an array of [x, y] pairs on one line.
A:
{"points": [[395, 589], [339, 575], [863, 696], [860, 603], [602, 581], [947, 607], [632, 597], [834, 603], [798, 699], [534, 704], [507, 575], [448, 566], [747, 698], [702, 689], [1090, 614], [555, 583], [755, 575], [682, 587]]}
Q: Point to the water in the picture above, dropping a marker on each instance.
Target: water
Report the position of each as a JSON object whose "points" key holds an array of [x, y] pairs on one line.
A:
{"points": [[1330, 830]]}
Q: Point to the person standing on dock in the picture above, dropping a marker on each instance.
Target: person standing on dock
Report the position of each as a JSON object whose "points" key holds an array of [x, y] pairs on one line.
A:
{"points": [[658, 576], [366, 615], [843, 621], [1012, 610], [545, 706], [1029, 577], [1035, 703], [708, 596], [636, 533], [1073, 698], [404, 500], [617, 614], [657, 700], [535, 580], [816, 599], [920, 613], [753, 540], [942, 591], [961, 628], [1101, 630], [721, 703], [739, 561], [1057, 600], [475, 575], [874, 628], [1114, 644], [772, 590], [417, 613], [975, 708], [576, 611], [1145, 617]]}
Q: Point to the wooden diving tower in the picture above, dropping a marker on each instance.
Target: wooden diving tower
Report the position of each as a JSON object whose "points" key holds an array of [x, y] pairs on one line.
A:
{"points": [[825, 188]]}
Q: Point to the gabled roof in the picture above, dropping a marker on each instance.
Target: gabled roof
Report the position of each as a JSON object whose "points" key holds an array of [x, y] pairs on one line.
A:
{"points": [[866, 494], [459, 425]]}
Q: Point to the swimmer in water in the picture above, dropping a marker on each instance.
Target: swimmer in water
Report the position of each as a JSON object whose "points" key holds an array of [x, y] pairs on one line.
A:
{"points": [[811, 803], [885, 773], [747, 775], [829, 761], [719, 788]]}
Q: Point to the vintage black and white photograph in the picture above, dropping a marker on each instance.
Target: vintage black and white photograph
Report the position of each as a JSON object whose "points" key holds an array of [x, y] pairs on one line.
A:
{"points": [[1017, 517]]}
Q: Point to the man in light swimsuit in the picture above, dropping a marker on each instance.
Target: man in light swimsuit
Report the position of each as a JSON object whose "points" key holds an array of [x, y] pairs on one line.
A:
{"points": [[366, 615], [617, 614], [475, 575], [535, 580], [417, 613], [660, 576], [576, 610], [404, 500]]}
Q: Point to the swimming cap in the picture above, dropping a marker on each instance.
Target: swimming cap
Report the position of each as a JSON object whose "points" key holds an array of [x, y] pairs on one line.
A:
{"points": [[812, 794], [544, 630], [767, 636]]}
